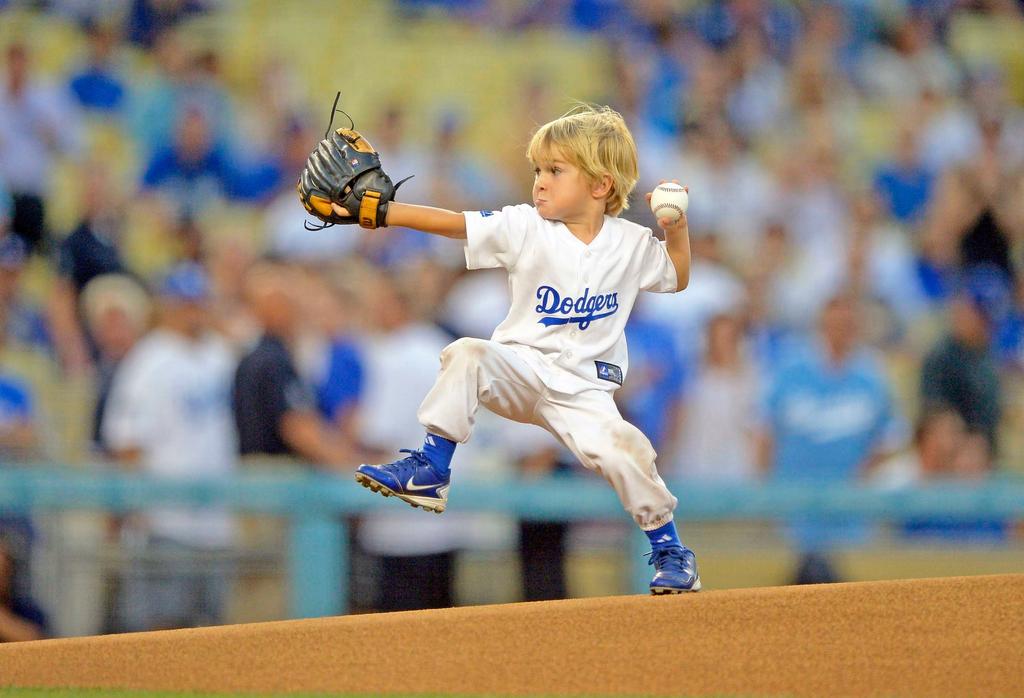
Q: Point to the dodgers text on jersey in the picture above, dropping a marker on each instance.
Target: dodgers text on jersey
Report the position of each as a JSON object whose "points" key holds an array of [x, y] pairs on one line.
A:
{"points": [[563, 310]]}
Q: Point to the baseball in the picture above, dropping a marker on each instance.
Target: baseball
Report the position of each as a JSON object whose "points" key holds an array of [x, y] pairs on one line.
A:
{"points": [[669, 200]]}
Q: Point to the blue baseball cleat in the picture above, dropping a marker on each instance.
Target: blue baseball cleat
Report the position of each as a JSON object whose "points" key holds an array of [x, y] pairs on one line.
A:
{"points": [[412, 479], [676, 571]]}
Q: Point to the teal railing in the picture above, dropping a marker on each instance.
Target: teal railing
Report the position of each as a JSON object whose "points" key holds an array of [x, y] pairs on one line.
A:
{"points": [[316, 503]]}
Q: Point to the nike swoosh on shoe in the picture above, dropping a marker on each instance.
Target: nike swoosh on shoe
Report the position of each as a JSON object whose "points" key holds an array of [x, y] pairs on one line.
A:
{"points": [[411, 486]]}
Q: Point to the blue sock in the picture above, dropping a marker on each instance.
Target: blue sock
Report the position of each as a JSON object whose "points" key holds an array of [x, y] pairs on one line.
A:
{"points": [[664, 537], [439, 451]]}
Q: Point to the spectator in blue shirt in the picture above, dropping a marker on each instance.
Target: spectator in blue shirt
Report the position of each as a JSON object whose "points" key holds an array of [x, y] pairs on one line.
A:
{"points": [[193, 169], [148, 18], [339, 392], [197, 168], [719, 23], [17, 423], [663, 101], [23, 333], [180, 79], [22, 321], [905, 184], [339, 386], [98, 84], [651, 400], [827, 418]]}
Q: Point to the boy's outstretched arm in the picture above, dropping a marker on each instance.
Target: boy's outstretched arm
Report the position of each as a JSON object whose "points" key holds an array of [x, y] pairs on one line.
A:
{"points": [[677, 241], [439, 221]]}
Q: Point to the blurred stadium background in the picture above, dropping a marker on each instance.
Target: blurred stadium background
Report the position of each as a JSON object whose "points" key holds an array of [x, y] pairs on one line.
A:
{"points": [[854, 322]]}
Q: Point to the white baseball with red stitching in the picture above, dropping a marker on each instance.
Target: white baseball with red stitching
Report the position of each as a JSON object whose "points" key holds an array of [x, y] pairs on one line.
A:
{"points": [[669, 200]]}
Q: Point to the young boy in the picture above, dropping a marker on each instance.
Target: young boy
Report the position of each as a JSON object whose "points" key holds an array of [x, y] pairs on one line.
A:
{"points": [[575, 270]]}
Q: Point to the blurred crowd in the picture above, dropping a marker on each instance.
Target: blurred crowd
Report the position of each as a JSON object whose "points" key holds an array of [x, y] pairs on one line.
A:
{"points": [[855, 311]]}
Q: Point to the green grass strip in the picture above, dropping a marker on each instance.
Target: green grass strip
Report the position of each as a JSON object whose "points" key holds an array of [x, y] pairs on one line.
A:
{"points": [[122, 693], [112, 693]]}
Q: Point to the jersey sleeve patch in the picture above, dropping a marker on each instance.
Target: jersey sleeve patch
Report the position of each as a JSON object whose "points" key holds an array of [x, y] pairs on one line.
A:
{"points": [[609, 372], [495, 238]]}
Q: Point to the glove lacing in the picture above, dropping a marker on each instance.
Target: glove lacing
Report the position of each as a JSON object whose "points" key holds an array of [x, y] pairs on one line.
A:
{"points": [[352, 126]]}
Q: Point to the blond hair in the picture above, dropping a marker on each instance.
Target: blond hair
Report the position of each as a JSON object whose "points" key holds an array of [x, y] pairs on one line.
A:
{"points": [[597, 141]]}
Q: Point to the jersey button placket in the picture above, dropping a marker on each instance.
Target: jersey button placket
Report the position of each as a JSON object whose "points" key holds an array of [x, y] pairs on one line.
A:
{"points": [[584, 280]]}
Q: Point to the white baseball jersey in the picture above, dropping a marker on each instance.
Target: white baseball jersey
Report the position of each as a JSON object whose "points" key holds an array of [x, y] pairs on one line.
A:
{"points": [[171, 399], [570, 300]]}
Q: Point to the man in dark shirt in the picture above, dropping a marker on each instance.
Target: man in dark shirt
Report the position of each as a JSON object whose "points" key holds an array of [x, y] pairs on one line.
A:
{"points": [[275, 411], [20, 618], [960, 371], [91, 250]]}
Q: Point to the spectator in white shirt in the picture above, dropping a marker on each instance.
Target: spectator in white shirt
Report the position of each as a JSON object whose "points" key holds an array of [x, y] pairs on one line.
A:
{"points": [[38, 123], [721, 408], [169, 415], [416, 554]]}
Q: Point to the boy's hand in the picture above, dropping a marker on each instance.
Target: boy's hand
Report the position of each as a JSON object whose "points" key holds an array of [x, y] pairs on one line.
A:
{"points": [[671, 227], [345, 169], [677, 239]]}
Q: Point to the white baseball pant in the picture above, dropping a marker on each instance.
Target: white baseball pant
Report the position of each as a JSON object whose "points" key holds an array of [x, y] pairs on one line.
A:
{"points": [[478, 372]]}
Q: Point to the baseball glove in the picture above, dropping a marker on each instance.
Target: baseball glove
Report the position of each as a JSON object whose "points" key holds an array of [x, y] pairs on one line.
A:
{"points": [[346, 170]]}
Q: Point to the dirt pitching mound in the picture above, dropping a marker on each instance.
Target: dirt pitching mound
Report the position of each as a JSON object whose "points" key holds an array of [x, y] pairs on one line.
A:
{"points": [[940, 637]]}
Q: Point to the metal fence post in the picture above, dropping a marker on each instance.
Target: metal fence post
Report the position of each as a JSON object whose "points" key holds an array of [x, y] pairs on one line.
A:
{"points": [[317, 565], [639, 571]]}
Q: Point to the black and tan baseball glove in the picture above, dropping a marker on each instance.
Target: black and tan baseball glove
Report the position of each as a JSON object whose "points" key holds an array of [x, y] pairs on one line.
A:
{"points": [[345, 169]]}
